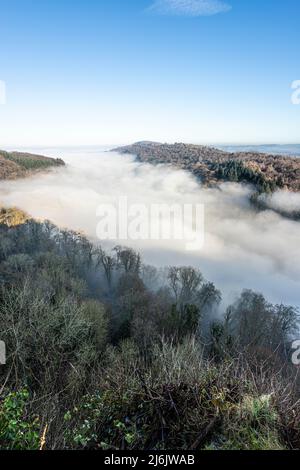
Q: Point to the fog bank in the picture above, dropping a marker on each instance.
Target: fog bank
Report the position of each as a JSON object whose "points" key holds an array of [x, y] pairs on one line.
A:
{"points": [[284, 201], [243, 248]]}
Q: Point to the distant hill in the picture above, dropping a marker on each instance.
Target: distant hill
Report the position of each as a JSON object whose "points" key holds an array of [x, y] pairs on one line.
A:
{"points": [[291, 150], [267, 172], [17, 164]]}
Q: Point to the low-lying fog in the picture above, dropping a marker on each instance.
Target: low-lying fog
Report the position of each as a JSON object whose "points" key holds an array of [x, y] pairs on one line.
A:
{"points": [[243, 249]]}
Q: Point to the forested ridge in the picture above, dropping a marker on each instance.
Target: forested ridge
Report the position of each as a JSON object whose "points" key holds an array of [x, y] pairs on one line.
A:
{"points": [[264, 171], [19, 164], [105, 352]]}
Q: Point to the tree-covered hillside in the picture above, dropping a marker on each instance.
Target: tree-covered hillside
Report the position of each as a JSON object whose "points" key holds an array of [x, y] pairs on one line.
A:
{"points": [[17, 164], [265, 172], [104, 352]]}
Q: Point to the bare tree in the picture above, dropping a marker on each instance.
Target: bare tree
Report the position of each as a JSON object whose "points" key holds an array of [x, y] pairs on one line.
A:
{"points": [[185, 282], [128, 259], [108, 263]]}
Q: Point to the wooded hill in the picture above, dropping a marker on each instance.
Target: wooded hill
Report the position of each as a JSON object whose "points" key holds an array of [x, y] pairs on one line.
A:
{"points": [[266, 172], [17, 164]]}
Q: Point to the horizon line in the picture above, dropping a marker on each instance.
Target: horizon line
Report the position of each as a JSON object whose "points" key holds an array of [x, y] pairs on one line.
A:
{"points": [[209, 144]]}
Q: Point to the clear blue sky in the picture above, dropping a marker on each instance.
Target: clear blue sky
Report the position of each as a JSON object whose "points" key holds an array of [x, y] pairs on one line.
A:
{"points": [[115, 71]]}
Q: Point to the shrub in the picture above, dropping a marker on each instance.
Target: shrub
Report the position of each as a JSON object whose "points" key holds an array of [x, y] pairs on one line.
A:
{"points": [[18, 431]]}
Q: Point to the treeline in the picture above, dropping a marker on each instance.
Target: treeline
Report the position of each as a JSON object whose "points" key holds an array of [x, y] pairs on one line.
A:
{"points": [[265, 172], [104, 352], [237, 171], [17, 164]]}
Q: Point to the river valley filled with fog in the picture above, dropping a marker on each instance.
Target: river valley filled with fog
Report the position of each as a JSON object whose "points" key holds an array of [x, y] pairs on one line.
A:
{"points": [[243, 248]]}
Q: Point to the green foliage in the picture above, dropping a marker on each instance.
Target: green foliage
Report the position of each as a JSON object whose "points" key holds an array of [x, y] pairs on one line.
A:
{"points": [[95, 423], [238, 171], [17, 430], [253, 425], [31, 162], [180, 323]]}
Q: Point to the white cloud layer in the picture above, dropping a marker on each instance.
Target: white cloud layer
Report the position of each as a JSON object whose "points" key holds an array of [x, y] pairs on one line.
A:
{"points": [[243, 248], [189, 7], [284, 201]]}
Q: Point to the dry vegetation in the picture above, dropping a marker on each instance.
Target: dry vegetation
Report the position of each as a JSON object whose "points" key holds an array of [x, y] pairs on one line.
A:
{"points": [[17, 165], [13, 216], [105, 352]]}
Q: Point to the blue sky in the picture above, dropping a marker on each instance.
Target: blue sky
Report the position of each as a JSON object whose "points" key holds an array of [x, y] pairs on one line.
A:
{"points": [[114, 71]]}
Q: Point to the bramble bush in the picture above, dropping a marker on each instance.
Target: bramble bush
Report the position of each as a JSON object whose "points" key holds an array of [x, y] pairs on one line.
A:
{"points": [[18, 429]]}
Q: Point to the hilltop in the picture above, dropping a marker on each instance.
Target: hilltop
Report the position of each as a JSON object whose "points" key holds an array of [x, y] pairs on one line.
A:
{"points": [[18, 164], [265, 171]]}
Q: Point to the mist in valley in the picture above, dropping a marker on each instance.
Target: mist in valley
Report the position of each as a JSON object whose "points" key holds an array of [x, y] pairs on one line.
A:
{"points": [[243, 248]]}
